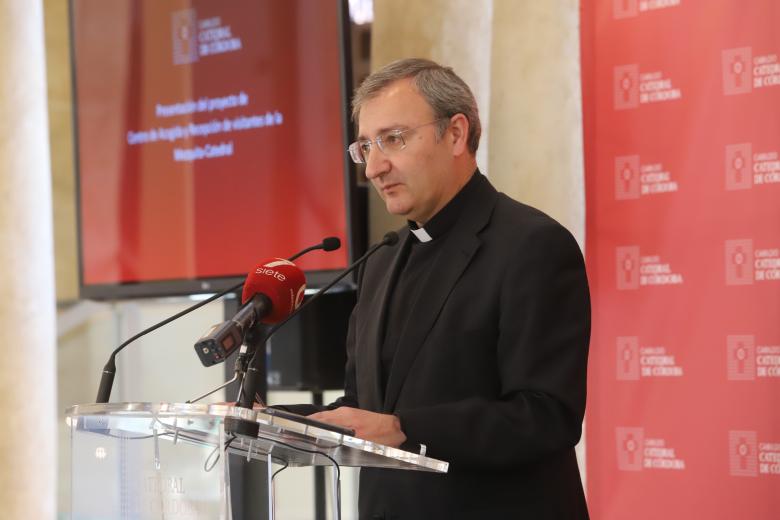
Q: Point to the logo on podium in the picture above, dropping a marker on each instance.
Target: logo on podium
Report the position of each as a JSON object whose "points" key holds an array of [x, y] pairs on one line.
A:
{"points": [[629, 448], [743, 453], [741, 357], [739, 262], [737, 74], [626, 86]]}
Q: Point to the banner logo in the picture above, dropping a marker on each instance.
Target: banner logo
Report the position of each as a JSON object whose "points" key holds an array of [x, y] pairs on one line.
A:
{"points": [[636, 452], [627, 358], [633, 270], [631, 8], [632, 88], [627, 267], [741, 357], [737, 75], [743, 72], [624, 9], [746, 169], [627, 177], [748, 361], [739, 166], [626, 86], [630, 442], [634, 180], [743, 453], [635, 362], [739, 262]]}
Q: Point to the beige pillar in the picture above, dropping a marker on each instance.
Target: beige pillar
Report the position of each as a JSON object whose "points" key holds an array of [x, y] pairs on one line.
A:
{"points": [[27, 325], [535, 149]]}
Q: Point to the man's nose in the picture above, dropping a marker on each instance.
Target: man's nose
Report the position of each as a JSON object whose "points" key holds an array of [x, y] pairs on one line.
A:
{"points": [[377, 163]]}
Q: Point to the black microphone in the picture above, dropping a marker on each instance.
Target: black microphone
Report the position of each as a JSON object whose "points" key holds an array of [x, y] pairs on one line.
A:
{"points": [[328, 244], [253, 376], [109, 370]]}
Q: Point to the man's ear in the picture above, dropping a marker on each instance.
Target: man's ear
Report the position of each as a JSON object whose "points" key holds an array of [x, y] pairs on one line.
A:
{"points": [[459, 132]]}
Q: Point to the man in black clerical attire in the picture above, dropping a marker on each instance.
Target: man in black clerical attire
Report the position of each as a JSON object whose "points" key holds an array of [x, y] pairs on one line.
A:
{"points": [[470, 337]]}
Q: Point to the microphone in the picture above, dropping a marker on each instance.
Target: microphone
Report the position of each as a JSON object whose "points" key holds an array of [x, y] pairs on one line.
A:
{"points": [[253, 377], [272, 291], [328, 244], [109, 370]]}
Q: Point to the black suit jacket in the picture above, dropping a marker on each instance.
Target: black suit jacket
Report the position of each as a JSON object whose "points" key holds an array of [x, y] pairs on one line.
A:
{"points": [[489, 373]]}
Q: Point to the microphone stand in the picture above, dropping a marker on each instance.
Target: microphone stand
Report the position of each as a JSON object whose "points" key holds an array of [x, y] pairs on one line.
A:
{"points": [[256, 370]]}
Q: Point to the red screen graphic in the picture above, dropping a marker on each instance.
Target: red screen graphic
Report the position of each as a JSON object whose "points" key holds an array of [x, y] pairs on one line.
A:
{"points": [[210, 136]]}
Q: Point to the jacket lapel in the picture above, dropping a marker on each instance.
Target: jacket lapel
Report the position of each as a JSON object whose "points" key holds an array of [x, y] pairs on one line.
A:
{"points": [[369, 346], [461, 243]]}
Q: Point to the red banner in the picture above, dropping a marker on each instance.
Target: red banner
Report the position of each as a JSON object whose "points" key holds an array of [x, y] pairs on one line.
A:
{"points": [[681, 103]]}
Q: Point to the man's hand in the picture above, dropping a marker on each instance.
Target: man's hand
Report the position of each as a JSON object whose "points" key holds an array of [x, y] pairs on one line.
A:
{"points": [[375, 427]]}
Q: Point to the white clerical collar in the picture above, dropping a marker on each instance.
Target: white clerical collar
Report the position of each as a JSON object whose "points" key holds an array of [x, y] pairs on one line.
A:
{"points": [[421, 234]]}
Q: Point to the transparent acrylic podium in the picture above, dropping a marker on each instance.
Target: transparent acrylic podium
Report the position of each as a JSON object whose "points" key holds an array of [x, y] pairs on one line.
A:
{"points": [[144, 461]]}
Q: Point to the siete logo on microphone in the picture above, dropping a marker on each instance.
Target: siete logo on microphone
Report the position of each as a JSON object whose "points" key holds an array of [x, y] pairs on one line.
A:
{"points": [[267, 269]]}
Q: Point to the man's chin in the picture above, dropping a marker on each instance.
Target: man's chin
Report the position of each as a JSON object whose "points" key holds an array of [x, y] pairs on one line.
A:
{"points": [[397, 207]]}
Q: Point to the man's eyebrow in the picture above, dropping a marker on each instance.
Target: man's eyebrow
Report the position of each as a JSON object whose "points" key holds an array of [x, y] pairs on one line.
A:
{"points": [[362, 137]]}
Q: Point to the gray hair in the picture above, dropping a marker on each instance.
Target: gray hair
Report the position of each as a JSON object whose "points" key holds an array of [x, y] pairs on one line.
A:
{"points": [[441, 88]]}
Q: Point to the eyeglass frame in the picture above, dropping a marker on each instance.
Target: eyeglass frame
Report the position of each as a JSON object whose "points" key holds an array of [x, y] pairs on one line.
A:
{"points": [[379, 140]]}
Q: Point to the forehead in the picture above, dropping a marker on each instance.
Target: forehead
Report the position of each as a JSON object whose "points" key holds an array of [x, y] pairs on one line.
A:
{"points": [[397, 105]]}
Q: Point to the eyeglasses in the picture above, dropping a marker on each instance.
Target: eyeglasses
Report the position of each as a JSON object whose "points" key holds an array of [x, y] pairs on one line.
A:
{"points": [[388, 142]]}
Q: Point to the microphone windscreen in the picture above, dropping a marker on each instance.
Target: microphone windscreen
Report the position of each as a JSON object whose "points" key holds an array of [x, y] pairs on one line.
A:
{"points": [[390, 238], [281, 281], [331, 243]]}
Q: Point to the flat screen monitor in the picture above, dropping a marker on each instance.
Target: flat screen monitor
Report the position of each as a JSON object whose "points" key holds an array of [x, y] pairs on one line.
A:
{"points": [[210, 136]]}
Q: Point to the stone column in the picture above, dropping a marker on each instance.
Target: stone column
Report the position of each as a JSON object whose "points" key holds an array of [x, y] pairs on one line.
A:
{"points": [[28, 458], [535, 149]]}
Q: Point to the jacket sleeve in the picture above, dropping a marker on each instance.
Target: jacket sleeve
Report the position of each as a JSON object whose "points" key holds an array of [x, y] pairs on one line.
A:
{"points": [[541, 353]]}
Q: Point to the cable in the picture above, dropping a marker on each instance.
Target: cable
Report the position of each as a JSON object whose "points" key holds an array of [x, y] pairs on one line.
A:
{"points": [[315, 452], [286, 465], [206, 466]]}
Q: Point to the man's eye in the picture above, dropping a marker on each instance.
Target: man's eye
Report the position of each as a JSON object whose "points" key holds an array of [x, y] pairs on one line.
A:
{"points": [[365, 146], [392, 139]]}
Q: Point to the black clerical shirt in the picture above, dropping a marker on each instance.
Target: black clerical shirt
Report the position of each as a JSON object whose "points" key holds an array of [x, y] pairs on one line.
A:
{"points": [[420, 252]]}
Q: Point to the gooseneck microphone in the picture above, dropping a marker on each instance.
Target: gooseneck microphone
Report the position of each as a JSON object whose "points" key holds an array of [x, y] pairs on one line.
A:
{"points": [[109, 370], [328, 244], [253, 376], [272, 291]]}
